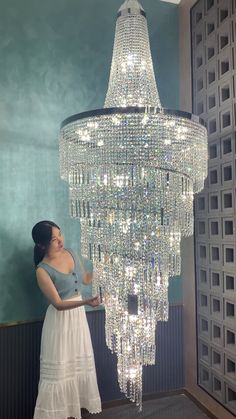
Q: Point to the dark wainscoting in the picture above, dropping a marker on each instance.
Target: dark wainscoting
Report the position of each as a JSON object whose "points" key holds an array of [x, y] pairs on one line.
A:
{"points": [[19, 363]]}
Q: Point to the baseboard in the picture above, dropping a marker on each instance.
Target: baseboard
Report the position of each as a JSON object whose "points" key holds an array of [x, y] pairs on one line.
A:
{"points": [[200, 405]]}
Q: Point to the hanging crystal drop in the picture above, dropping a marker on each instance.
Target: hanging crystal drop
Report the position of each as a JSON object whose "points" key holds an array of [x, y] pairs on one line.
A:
{"points": [[132, 169]]}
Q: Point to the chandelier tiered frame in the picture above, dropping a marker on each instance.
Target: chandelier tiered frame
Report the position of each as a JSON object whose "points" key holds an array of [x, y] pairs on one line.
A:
{"points": [[132, 169]]}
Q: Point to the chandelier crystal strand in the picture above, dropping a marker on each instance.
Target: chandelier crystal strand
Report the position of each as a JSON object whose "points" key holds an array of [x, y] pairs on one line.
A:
{"points": [[132, 169], [132, 81]]}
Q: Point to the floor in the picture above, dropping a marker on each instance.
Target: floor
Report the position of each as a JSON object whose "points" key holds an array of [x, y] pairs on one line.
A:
{"points": [[173, 407]]}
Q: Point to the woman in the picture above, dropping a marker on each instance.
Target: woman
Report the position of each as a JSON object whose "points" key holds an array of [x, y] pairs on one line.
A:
{"points": [[67, 372]]}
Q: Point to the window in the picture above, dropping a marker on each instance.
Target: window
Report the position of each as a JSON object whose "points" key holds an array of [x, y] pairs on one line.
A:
{"points": [[201, 227], [225, 93], [214, 202], [211, 101], [227, 145], [215, 253], [216, 305], [201, 203], [226, 120], [213, 151], [229, 282], [212, 126], [229, 255], [228, 201], [229, 227], [224, 40], [214, 227], [223, 14], [210, 28], [213, 177], [227, 173], [203, 276], [211, 76], [224, 67], [203, 251], [215, 279]]}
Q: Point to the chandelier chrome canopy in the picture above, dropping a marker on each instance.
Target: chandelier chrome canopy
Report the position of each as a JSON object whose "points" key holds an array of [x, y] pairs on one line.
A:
{"points": [[132, 169]]}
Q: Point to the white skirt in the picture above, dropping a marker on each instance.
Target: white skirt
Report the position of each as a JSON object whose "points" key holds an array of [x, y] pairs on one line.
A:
{"points": [[67, 371]]}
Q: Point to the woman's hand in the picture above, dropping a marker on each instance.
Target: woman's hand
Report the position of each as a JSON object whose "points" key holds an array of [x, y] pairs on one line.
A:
{"points": [[93, 302]]}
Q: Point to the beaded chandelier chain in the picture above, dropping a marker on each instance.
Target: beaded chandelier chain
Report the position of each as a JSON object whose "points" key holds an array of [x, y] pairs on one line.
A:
{"points": [[132, 169]]}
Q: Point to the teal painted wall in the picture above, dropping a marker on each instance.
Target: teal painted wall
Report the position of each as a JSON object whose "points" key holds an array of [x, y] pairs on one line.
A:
{"points": [[54, 61]]}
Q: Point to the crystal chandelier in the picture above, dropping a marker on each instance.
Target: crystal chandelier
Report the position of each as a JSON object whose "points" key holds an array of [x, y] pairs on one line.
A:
{"points": [[132, 169]]}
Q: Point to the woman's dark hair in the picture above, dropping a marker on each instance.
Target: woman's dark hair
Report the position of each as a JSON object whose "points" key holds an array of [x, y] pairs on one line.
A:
{"points": [[42, 234]]}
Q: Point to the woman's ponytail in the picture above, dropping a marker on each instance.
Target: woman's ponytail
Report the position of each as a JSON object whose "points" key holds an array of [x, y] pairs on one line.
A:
{"points": [[39, 254]]}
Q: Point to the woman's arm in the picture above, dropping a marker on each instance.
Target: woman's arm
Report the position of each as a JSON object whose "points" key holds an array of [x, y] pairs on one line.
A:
{"points": [[49, 290], [87, 270], [87, 278]]}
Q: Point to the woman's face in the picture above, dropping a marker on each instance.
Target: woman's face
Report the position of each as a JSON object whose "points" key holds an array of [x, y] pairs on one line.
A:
{"points": [[57, 241]]}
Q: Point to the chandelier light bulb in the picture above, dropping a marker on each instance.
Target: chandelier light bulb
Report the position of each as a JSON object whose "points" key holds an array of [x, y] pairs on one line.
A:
{"points": [[132, 169]]}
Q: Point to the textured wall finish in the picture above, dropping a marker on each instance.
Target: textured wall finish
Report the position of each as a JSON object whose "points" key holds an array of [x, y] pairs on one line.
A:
{"points": [[54, 61]]}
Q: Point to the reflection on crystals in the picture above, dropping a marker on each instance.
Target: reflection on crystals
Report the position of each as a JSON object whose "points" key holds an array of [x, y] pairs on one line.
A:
{"points": [[132, 173], [132, 80]]}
